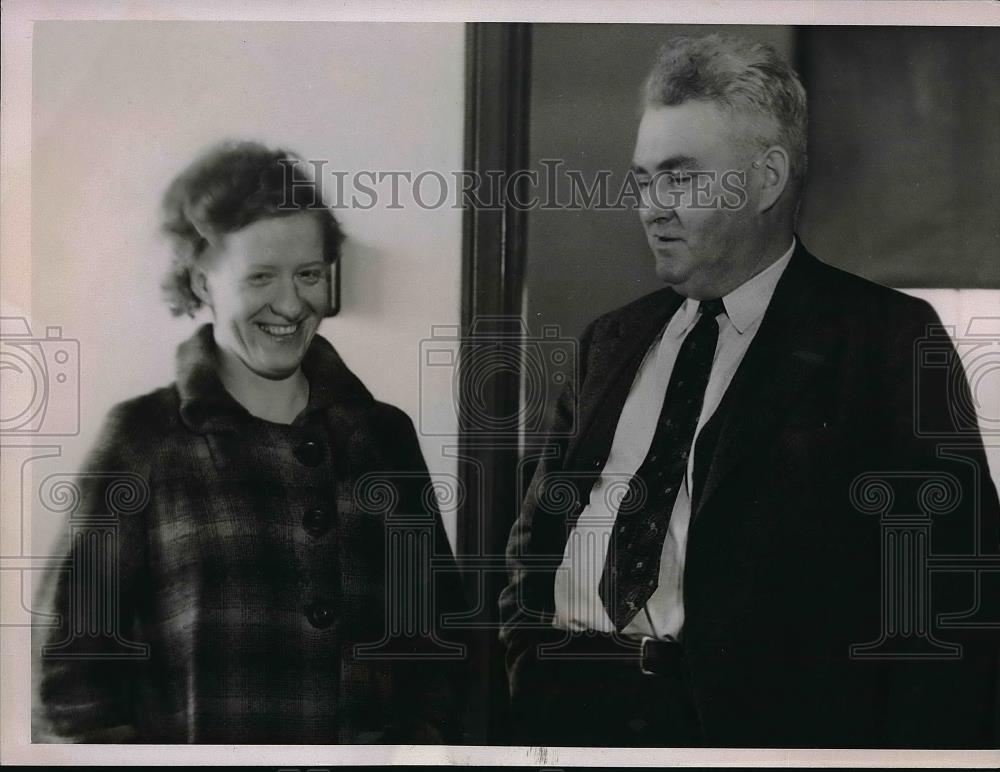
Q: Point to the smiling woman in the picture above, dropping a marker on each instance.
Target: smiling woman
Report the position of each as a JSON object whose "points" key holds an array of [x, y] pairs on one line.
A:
{"points": [[253, 242], [267, 290], [246, 596]]}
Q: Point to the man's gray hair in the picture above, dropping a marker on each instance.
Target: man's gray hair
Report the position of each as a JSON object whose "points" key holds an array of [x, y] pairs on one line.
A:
{"points": [[741, 77]]}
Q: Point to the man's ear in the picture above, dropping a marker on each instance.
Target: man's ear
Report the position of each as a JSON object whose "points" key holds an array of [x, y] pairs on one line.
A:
{"points": [[775, 170], [199, 284]]}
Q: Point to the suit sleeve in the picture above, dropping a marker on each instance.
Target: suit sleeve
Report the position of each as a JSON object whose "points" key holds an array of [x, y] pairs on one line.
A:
{"points": [[526, 611], [945, 703], [84, 660]]}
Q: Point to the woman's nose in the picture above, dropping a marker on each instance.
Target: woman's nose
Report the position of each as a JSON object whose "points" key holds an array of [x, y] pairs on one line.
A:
{"points": [[286, 301]]}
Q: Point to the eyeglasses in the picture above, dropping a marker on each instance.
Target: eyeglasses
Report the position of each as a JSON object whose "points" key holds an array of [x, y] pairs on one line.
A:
{"points": [[670, 189]]}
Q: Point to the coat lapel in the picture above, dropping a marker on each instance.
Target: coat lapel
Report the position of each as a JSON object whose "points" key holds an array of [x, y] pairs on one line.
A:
{"points": [[612, 362], [791, 347]]}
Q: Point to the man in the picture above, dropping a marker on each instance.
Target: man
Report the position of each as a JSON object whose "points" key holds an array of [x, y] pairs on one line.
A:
{"points": [[695, 563]]}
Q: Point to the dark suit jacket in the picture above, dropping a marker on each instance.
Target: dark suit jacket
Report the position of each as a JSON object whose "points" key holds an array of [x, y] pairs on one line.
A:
{"points": [[783, 570]]}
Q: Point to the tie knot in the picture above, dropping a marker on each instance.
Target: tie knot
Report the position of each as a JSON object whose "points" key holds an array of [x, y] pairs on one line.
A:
{"points": [[712, 308]]}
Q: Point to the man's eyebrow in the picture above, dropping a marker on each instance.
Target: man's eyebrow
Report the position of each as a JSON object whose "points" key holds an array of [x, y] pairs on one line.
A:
{"points": [[674, 162], [272, 266]]}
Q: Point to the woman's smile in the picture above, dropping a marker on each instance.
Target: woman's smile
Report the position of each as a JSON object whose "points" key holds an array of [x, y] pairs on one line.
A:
{"points": [[280, 331]]}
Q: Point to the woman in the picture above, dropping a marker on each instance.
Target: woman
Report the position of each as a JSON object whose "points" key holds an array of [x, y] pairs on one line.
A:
{"points": [[244, 599]]}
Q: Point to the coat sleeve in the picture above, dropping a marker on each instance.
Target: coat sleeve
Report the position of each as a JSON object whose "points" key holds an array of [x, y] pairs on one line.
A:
{"points": [[526, 611], [945, 702], [429, 665], [84, 659]]}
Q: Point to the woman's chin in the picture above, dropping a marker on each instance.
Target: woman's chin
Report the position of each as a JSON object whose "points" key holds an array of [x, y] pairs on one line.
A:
{"points": [[277, 359], [275, 371], [273, 365]]}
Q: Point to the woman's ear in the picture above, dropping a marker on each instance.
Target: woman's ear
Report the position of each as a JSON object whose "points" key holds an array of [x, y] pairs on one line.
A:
{"points": [[199, 285]]}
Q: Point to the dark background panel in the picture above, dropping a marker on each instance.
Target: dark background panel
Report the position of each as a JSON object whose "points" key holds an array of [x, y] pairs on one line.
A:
{"points": [[904, 140], [904, 156]]}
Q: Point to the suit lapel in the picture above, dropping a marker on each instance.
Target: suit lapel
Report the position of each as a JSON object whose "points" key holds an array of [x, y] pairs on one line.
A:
{"points": [[613, 360], [789, 349]]}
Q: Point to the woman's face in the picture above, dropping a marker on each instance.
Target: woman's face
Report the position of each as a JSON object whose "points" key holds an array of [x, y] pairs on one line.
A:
{"points": [[268, 290]]}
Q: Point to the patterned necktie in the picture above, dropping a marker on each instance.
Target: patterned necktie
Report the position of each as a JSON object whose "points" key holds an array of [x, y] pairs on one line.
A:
{"points": [[632, 566]]}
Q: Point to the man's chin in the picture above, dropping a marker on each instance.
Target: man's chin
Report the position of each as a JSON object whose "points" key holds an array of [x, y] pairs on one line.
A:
{"points": [[668, 271]]}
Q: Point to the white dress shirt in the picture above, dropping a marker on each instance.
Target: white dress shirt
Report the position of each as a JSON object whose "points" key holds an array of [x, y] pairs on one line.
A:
{"points": [[578, 604]]}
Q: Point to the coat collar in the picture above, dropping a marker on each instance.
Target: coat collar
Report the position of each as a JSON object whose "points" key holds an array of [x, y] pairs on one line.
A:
{"points": [[745, 305], [206, 406]]}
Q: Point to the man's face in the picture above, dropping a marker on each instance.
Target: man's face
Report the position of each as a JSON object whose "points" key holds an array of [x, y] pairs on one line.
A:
{"points": [[700, 227]]}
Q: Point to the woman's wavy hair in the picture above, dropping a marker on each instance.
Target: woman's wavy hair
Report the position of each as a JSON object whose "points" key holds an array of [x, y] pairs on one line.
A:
{"points": [[230, 186]]}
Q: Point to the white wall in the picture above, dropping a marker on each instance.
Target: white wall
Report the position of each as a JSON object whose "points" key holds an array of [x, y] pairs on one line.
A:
{"points": [[972, 318], [119, 108]]}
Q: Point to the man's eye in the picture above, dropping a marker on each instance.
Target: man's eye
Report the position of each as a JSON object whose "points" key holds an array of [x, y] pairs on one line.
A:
{"points": [[677, 178], [258, 278], [642, 182]]}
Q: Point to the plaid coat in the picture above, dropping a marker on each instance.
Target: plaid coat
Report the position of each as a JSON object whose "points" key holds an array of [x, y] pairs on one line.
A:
{"points": [[232, 580]]}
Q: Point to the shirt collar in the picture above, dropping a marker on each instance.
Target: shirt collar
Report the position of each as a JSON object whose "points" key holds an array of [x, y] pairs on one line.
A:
{"points": [[206, 405], [745, 305]]}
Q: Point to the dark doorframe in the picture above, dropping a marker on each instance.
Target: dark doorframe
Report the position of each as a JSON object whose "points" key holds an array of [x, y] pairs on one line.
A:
{"points": [[494, 238]]}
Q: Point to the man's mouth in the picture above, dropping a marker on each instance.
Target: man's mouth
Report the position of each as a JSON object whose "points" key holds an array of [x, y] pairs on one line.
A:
{"points": [[280, 330]]}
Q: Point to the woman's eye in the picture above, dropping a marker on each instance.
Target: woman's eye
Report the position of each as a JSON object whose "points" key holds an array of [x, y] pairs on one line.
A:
{"points": [[311, 277], [643, 182]]}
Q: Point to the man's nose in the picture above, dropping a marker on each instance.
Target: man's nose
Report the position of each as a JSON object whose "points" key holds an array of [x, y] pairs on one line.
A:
{"points": [[652, 210], [286, 301], [655, 205]]}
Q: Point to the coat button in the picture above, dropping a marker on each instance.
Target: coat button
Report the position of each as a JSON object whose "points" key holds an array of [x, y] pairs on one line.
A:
{"points": [[320, 614], [316, 522], [309, 453]]}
